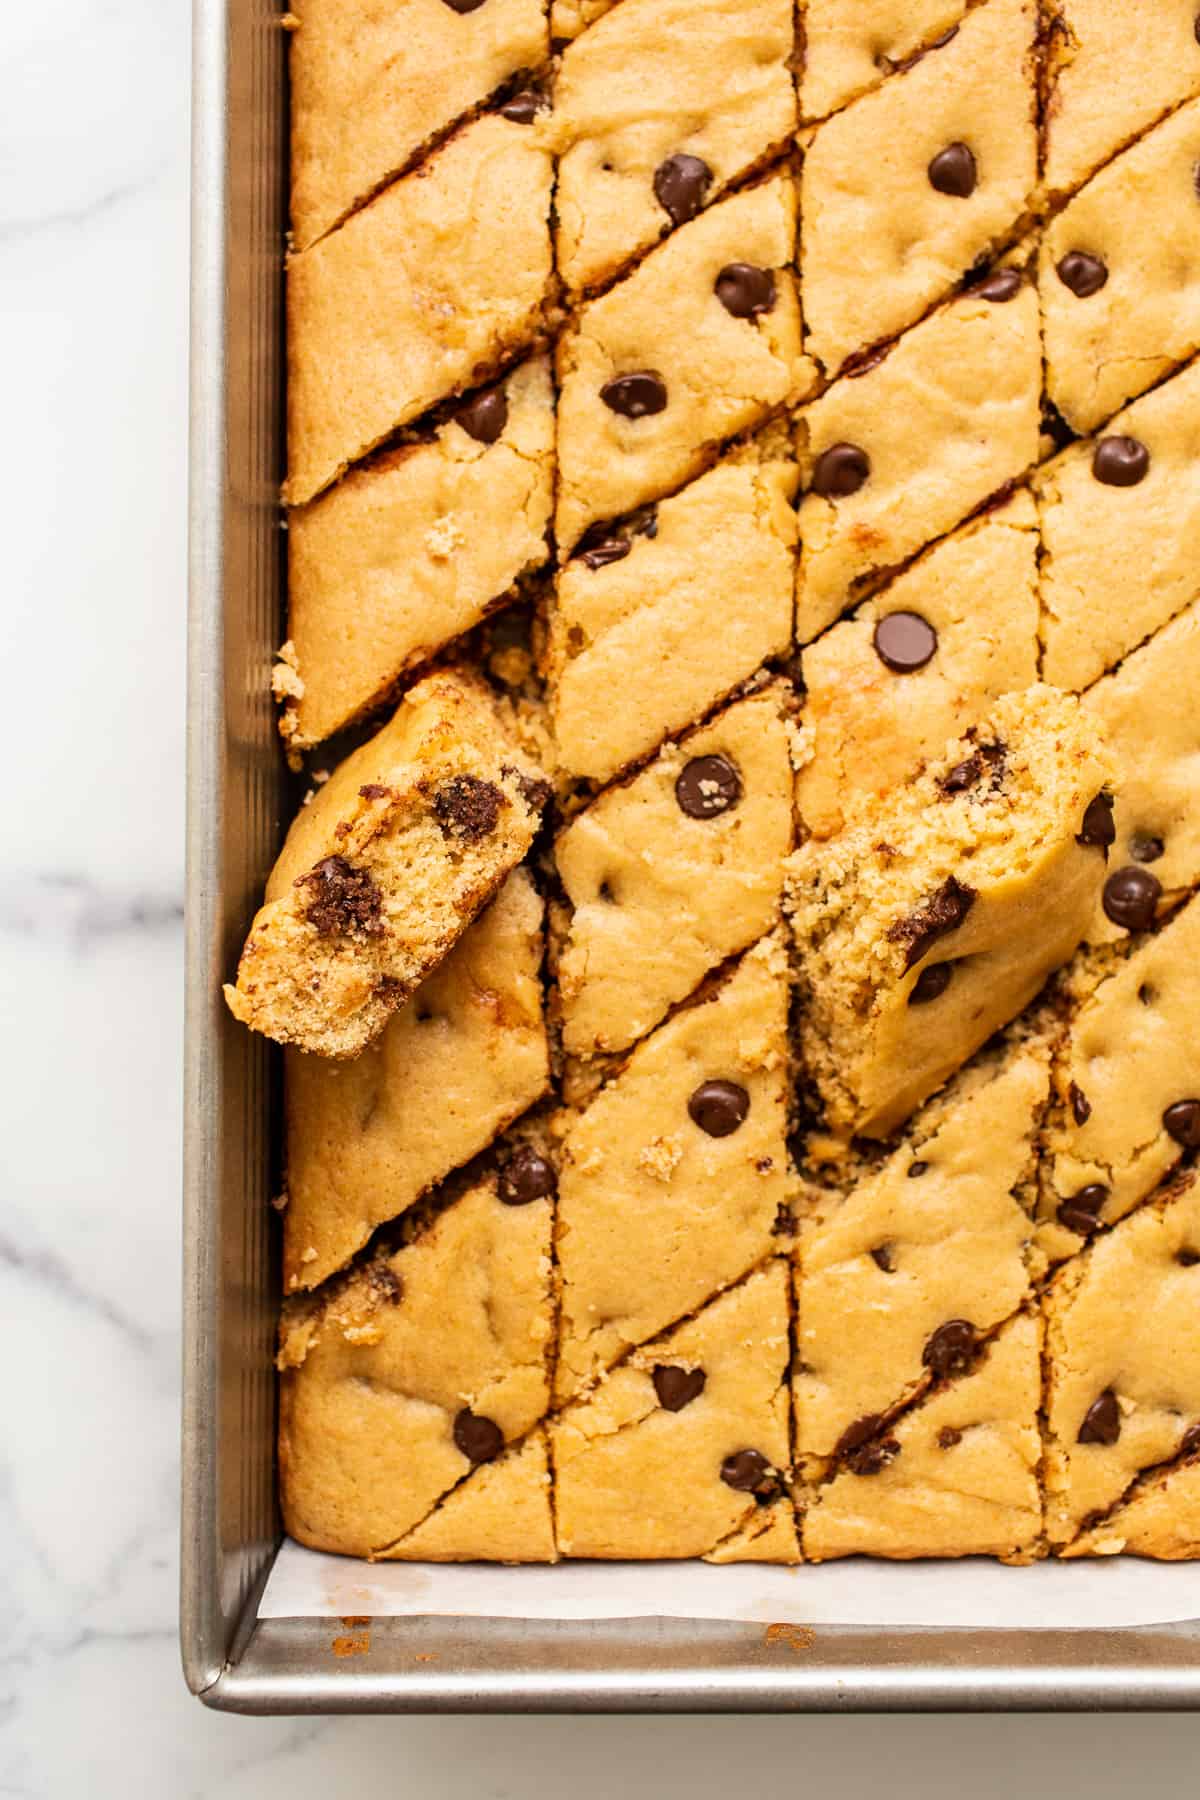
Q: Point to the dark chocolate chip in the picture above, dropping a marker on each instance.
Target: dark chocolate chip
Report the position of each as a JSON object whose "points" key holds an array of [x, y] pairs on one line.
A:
{"points": [[719, 1107], [883, 1258], [943, 912], [635, 396], [952, 1349], [463, 6], [839, 471], [485, 417], [1189, 1443], [1186, 1258], [524, 107], [342, 900], [706, 786], [1085, 275], [676, 1387], [952, 171], [526, 1176], [1120, 461], [872, 1458], [904, 642], [750, 1473], [467, 808], [1102, 1421], [1081, 1106], [931, 984], [1182, 1122], [535, 790], [988, 759], [1098, 827], [948, 1437], [680, 185], [1081, 1212], [784, 1222], [1145, 849], [1130, 898], [916, 1168], [600, 546], [478, 1438], [1004, 285], [745, 290], [858, 1433]]}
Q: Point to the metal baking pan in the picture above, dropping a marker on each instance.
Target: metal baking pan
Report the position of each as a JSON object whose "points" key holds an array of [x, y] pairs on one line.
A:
{"points": [[236, 798]]}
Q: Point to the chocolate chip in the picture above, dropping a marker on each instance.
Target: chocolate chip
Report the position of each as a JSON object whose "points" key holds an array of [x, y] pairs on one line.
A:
{"points": [[1081, 1106], [1098, 827], [1081, 1212], [916, 1168], [600, 546], [1145, 849], [948, 1437], [342, 900], [872, 1458], [680, 184], [931, 984], [1102, 1421], [745, 290], [859, 1433], [526, 1176], [952, 1349], [1130, 898], [706, 786], [943, 912], [988, 759], [904, 642], [1187, 1259], [375, 790], [637, 395], [1120, 461], [1196, 29], [1004, 285], [1189, 1443], [1182, 1122], [485, 417], [839, 471], [784, 1222], [883, 1258], [463, 6], [719, 1107], [750, 1473], [676, 1387], [534, 790], [467, 808], [524, 107], [952, 171], [478, 1438], [1085, 275]]}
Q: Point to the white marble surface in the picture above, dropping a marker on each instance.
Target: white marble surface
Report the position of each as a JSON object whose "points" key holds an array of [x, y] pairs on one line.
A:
{"points": [[93, 266]]}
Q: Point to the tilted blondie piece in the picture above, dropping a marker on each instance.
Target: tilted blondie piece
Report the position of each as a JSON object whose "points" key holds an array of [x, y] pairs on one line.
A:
{"points": [[647, 137], [1147, 711], [1112, 69], [898, 454], [413, 549], [1120, 515], [1159, 1517], [924, 929], [633, 653], [385, 868], [701, 342], [370, 85], [1123, 1354], [1120, 275], [1127, 1084], [422, 293], [672, 1177], [413, 1371], [468, 1053], [672, 872], [906, 189], [852, 45], [956, 1475], [686, 1444], [900, 1280], [919, 664]]}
